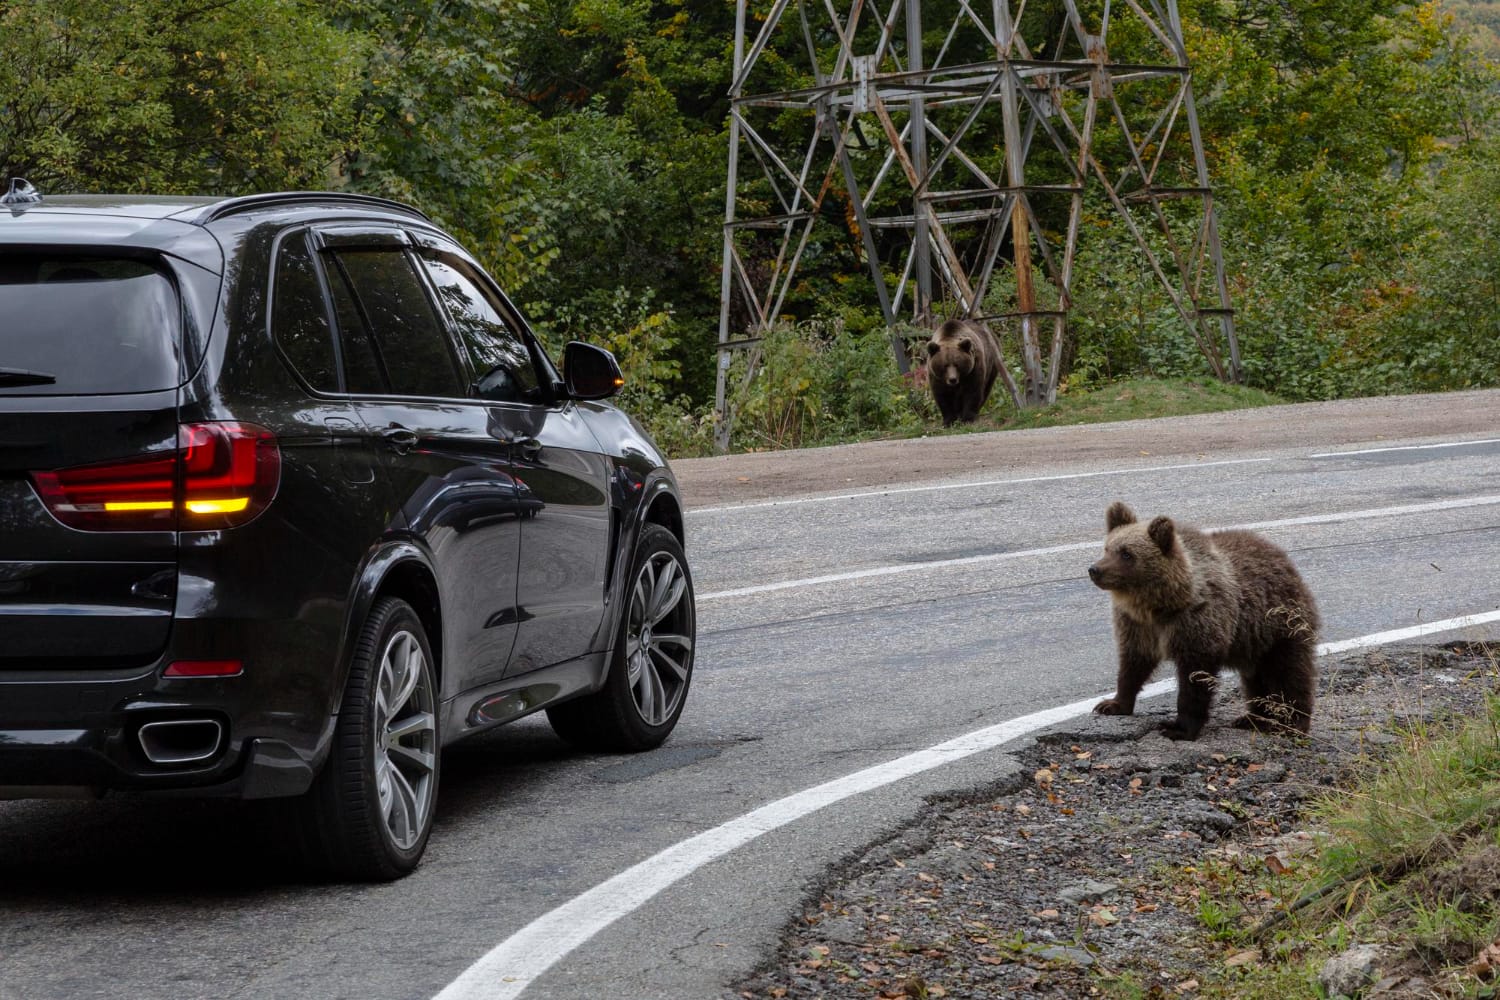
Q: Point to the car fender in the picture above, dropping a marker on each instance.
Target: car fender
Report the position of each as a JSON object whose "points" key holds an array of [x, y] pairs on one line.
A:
{"points": [[382, 561], [634, 516]]}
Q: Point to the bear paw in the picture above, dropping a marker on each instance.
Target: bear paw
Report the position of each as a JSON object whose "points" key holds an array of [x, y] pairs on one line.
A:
{"points": [[1175, 729], [1113, 706]]}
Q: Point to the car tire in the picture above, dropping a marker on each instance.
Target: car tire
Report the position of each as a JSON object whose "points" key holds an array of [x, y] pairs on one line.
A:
{"points": [[652, 665], [369, 812]]}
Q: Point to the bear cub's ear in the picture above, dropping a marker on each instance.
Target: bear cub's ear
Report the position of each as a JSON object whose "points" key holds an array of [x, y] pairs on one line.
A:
{"points": [[966, 345], [932, 348], [1117, 515], [1162, 531]]}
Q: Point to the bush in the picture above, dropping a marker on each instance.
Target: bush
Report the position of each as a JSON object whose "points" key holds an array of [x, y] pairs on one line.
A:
{"points": [[824, 381]]}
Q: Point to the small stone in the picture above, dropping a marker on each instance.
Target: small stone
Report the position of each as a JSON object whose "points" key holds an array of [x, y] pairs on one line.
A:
{"points": [[1072, 956], [1087, 892], [841, 930], [1349, 972]]}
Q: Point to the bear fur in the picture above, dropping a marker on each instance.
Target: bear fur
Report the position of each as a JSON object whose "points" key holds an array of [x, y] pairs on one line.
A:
{"points": [[1205, 602], [963, 361]]}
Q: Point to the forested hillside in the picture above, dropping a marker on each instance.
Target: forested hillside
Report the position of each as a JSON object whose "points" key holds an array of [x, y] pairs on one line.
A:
{"points": [[578, 146], [1481, 18]]}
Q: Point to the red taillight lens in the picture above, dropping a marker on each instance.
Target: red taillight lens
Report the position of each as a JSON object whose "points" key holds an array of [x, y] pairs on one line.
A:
{"points": [[220, 475], [229, 473]]}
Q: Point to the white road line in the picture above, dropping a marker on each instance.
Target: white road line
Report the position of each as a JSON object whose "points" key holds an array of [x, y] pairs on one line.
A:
{"points": [[994, 557], [939, 487], [1410, 447], [512, 965]]}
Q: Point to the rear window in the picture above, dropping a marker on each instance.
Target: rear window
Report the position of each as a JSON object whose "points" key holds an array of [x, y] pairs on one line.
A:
{"points": [[86, 325]]}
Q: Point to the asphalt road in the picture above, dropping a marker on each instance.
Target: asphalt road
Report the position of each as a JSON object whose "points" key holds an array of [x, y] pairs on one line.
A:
{"points": [[835, 633]]}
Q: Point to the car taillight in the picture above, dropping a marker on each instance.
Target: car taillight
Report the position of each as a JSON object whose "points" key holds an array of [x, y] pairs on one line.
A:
{"points": [[220, 475]]}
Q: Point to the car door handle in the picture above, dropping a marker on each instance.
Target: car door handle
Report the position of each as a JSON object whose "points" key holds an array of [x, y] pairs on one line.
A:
{"points": [[399, 438]]}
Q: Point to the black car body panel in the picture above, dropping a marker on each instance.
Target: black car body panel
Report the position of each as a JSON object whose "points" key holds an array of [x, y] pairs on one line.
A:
{"points": [[506, 520]]}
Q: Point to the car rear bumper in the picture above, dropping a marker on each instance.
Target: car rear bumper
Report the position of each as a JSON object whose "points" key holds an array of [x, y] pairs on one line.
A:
{"points": [[90, 734]]}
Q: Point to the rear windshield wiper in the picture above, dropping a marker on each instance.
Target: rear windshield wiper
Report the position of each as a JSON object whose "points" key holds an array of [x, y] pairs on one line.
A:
{"points": [[20, 376]]}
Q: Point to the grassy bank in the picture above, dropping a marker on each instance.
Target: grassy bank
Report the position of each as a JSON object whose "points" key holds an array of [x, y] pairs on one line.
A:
{"points": [[1409, 863], [802, 417], [1137, 399]]}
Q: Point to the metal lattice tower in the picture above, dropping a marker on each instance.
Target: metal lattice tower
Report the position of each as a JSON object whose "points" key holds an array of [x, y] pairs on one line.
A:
{"points": [[940, 155]]}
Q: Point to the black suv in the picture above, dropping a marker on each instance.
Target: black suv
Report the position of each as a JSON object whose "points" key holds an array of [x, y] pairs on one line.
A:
{"points": [[290, 498]]}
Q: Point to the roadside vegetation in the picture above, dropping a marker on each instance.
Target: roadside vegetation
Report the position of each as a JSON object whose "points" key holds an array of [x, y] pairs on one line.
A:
{"points": [[1408, 865], [579, 147]]}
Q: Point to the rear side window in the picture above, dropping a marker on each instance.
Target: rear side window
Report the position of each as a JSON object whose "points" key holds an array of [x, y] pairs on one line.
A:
{"points": [[391, 304], [74, 326], [299, 319]]}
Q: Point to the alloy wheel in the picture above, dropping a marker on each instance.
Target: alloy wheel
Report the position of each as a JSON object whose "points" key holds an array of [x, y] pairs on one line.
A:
{"points": [[658, 646], [406, 739]]}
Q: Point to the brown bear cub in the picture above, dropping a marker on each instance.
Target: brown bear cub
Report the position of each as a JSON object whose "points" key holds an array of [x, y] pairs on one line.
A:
{"points": [[963, 361], [1230, 599]]}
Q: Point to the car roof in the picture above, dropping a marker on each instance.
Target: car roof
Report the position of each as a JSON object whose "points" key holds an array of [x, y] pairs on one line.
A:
{"points": [[175, 224]]}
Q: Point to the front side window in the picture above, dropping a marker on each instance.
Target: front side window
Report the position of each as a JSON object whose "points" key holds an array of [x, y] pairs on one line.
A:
{"points": [[496, 349], [409, 344], [86, 325]]}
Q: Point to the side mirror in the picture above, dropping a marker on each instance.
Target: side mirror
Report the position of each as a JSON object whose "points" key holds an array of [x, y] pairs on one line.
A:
{"points": [[590, 372]]}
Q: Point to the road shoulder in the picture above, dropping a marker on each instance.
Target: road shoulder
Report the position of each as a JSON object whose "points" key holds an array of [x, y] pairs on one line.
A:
{"points": [[1081, 865]]}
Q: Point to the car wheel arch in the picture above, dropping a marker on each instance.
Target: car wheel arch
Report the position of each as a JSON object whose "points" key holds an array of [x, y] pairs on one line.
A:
{"points": [[402, 570], [665, 509]]}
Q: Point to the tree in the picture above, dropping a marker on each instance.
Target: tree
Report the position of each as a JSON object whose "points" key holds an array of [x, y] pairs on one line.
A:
{"points": [[174, 96]]}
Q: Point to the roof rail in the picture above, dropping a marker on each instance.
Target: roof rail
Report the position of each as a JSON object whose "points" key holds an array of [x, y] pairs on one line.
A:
{"points": [[251, 202]]}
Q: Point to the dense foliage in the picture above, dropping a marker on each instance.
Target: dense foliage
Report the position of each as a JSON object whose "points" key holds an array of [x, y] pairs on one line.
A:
{"points": [[578, 146]]}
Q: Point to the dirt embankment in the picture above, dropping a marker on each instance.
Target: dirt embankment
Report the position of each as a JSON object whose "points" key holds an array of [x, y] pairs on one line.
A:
{"points": [[758, 476], [1089, 864]]}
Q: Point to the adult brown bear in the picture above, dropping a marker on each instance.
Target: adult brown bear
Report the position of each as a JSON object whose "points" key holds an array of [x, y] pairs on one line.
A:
{"points": [[1230, 599], [963, 361]]}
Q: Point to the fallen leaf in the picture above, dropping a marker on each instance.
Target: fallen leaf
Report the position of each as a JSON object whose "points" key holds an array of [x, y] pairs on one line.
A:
{"points": [[1023, 809], [1242, 958], [1187, 986], [744, 479], [1146, 908], [1276, 865], [1048, 914], [1043, 777], [1103, 917]]}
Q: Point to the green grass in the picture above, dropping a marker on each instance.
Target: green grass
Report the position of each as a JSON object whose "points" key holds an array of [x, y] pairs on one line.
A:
{"points": [[1412, 860], [1136, 399]]}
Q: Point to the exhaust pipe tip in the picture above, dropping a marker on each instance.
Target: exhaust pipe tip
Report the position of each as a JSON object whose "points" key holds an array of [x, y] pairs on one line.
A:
{"points": [[175, 742]]}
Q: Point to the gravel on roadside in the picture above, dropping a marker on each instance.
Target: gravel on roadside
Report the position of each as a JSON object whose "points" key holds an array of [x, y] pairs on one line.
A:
{"points": [[1072, 868]]}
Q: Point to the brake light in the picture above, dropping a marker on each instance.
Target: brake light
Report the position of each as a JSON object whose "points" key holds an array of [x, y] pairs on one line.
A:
{"points": [[221, 475]]}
